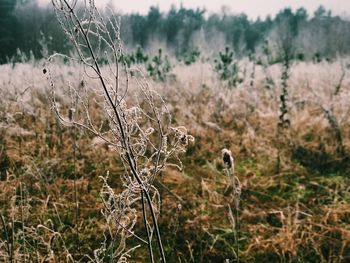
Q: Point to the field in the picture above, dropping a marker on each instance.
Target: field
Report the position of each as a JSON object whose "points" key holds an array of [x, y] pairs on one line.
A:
{"points": [[293, 203]]}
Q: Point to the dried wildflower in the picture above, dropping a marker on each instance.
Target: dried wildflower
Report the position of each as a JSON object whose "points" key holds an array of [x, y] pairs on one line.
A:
{"points": [[132, 118], [71, 114], [183, 137], [149, 131], [236, 188], [227, 158]]}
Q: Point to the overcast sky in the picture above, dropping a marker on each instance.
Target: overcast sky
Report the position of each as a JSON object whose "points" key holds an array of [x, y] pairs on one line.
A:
{"points": [[253, 8]]}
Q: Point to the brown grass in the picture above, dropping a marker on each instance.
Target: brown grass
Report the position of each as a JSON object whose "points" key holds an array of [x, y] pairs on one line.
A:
{"points": [[299, 213]]}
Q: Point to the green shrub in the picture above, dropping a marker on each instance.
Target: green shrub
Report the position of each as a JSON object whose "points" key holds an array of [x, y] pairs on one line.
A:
{"points": [[160, 67], [227, 68]]}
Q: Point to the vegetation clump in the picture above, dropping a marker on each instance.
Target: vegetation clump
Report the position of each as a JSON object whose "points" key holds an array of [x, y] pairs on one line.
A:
{"points": [[227, 68], [159, 67]]}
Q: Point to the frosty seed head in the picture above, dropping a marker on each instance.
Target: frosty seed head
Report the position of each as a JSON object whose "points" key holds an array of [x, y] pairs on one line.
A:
{"points": [[227, 158]]}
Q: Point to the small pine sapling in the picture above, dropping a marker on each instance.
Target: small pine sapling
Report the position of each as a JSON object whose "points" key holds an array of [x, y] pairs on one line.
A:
{"points": [[227, 68], [160, 67]]}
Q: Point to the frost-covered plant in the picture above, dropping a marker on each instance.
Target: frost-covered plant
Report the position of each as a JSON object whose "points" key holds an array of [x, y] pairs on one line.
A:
{"points": [[236, 189], [134, 123], [265, 60], [283, 118]]}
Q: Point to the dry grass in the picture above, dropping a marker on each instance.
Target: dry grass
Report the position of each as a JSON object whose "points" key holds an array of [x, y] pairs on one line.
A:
{"points": [[297, 213]]}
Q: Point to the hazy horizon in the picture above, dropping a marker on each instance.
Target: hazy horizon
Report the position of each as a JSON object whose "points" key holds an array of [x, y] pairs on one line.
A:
{"points": [[252, 8]]}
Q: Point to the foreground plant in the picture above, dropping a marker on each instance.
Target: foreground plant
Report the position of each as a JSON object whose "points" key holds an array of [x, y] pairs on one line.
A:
{"points": [[136, 124]]}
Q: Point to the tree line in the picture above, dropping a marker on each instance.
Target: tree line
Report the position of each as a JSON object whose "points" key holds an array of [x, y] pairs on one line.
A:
{"points": [[26, 29]]}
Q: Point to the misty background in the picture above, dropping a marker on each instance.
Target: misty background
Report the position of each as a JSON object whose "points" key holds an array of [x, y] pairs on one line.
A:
{"points": [[29, 29]]}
